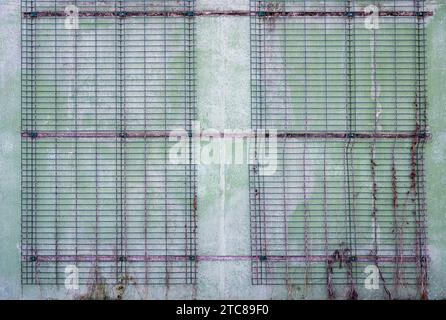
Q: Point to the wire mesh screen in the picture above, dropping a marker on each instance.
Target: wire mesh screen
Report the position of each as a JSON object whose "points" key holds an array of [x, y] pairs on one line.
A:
{"points": [[103, 85], [343, 85]]}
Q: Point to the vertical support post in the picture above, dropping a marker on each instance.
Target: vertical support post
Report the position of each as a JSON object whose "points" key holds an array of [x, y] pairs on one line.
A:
{"points": [[191, 196], [417, 175], [121, 188], [350, 250], [29, 262]]}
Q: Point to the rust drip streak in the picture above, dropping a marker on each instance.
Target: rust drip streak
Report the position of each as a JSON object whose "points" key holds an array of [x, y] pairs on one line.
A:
{"points": [[235, 13]]}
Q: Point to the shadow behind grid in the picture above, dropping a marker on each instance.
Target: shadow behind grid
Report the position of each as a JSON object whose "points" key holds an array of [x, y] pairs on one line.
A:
{"points": [[98, 103]]}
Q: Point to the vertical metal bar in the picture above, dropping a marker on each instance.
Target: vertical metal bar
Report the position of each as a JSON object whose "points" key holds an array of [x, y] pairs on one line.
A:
{"points": [[96, 142], [284, 188], [304, 156], [146, 213], [329, 268], [166, 208], [56, 169], [417, 149], [76, 146]]}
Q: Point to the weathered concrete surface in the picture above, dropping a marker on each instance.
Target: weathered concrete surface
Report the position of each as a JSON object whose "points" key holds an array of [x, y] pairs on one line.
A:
{"points": [[223, 79]]}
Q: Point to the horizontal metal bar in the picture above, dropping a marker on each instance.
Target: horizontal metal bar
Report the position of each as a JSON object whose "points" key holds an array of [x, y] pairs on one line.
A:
{"points": [[173, 258], [232, 13], [167, 134]]}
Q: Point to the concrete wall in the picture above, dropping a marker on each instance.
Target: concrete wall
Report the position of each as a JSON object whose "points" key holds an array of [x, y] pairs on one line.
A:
{"points": [[223, 89]]}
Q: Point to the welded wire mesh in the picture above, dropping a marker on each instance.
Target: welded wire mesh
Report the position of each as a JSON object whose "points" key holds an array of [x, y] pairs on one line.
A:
{"points": [[349, 105], [98, 103]]}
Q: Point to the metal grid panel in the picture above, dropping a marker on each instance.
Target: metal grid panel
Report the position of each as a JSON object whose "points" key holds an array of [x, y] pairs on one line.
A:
{"points": [[349, 106], [98, 104]]}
